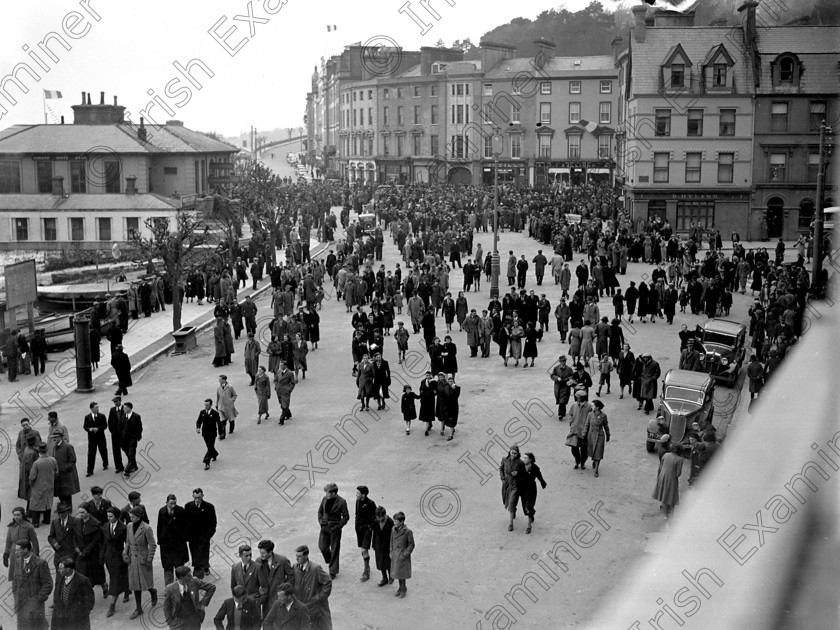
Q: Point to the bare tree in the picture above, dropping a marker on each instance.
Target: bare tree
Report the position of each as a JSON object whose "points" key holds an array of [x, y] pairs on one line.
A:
{"points": [[260, 193], [176, 248]]}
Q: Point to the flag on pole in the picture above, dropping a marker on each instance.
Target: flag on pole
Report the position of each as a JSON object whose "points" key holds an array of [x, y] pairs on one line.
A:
{"points": [[331, 28], [52, 94], [589, 126]]}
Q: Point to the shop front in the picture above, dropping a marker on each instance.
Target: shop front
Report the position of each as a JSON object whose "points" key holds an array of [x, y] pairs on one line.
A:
{"points": [[572, 172], [394, 171], [725, 211], [514, 173]]}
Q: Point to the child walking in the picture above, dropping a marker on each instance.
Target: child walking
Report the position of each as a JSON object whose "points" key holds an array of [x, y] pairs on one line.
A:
{"points": [[409, 411], [605, 367]]}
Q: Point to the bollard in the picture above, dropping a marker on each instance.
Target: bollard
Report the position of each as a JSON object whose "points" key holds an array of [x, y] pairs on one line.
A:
{"points": [[84, 372]]}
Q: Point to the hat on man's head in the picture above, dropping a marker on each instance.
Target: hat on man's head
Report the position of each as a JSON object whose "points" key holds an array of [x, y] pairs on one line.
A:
{"points": [[42, 448], [116, 399], [63, 508]]}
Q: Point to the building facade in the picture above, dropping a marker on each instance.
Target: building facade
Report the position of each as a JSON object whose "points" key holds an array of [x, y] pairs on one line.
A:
{"points": [[686, 123], [796, 91], [97, 181]]}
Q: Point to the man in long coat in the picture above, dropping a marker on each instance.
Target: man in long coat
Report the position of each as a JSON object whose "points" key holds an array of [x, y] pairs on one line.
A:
{"points": [[284, 384], [225, 405], [472, 324], [650, 380], [131, 436], [312, 588], [67, 482], [116, 420], [560, 374], [62, 534], [220, 348], [42, 481], [31, 586], [249, 312], [122, 367], [252, 356], [172, 538], [201, 526]]}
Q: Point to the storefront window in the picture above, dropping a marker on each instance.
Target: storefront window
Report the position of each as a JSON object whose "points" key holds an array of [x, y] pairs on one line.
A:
{"points": [[702, 213]]}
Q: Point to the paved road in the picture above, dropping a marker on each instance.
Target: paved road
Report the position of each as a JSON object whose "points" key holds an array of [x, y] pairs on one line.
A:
{"points": [[268, 479]]}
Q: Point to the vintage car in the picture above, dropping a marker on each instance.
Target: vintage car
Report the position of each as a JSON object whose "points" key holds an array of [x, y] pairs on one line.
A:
{"points": [[686, 398], [367, 222], [721, 347]]}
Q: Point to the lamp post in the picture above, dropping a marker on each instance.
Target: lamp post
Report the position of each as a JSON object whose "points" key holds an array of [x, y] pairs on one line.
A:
{"points": [[816, 269], [495, 266]]}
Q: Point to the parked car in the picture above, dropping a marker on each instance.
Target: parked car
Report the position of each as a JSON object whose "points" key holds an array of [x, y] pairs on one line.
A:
{"points": [[686, 398], [721, 346], [367, 222]]}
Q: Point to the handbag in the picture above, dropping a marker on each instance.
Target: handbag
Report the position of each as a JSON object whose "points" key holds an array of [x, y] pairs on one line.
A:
{"points": [[572, 439]]}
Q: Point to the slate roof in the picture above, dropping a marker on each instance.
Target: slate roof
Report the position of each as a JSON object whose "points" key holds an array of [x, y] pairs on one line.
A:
{"points": [[560, 67], [116, 138], [817, 47], [77, 202], [696, 41]]}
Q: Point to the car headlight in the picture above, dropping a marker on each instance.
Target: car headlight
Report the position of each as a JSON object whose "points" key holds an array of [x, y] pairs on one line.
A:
{"points": [[724, 361]]}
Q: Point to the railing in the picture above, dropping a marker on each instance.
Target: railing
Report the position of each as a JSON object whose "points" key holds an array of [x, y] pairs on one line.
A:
{"points": [[755, 545]]}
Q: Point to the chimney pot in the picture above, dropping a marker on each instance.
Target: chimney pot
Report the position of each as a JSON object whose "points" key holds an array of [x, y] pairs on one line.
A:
{"points": [[88, 99], [639, 12], [115, 100], [102, 98], [62, 120], [84, 97]]}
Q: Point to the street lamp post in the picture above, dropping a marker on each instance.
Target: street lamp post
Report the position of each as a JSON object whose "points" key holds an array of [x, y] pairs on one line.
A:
{"points": [[817, 243], [495, 264]]}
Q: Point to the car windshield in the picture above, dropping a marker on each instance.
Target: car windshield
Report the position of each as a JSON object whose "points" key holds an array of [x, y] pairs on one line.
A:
{"points": [[718, 338], [681, 393]]}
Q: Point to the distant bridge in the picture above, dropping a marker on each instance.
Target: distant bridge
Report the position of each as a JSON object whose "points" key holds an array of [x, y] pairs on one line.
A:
{"points": [[277, 143]]}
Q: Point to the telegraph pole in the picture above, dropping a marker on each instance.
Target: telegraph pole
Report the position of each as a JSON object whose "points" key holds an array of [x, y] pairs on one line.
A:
{"points": [[816, 269]]}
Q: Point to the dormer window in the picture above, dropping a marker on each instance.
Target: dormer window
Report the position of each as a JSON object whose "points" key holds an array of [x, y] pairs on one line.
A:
{"points": [[719, 75], [677, 75], [786, 70], [716, 67]]}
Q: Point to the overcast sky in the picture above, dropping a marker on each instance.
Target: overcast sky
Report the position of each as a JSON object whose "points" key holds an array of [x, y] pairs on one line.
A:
{"points": [[127, 48]]}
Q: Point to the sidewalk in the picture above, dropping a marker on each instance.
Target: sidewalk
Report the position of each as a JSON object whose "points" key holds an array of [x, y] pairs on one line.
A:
{"points": [[147, 339]]}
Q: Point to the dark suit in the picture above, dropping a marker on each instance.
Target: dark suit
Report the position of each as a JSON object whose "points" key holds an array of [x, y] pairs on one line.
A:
{"points": [[208, 422], [116, 420], [201, 525], [249, 615], [172, 538], [249, 579], [75, 614], [96, 440], [131, 435], [331, 521], [271, 579], [62, 539], [187, 612], [382, 380], [296, 617]]}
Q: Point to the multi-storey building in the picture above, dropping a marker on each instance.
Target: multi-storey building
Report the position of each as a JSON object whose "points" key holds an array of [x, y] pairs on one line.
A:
{"points": [[556, 115], [796, 90], [686, 123], [96, 181]]}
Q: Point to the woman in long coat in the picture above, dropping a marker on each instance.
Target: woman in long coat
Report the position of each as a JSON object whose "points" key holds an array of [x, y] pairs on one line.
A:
{"points": [[527, 486], [502, 338], [451, 400], [402, 546], [626, 364], [111, 556], [299, 352], [643, 301], [275, 354], [313, 326], [262, 387], [228, 338], [86, 537], [587, 336], [517, 332], [461, 309], [428, 325], [428, 393], [597, 431], [575, 342], [667, 489], [530, 351], [287, 351], [616, 339], [139, 554], [365, 381], [381, 543]]}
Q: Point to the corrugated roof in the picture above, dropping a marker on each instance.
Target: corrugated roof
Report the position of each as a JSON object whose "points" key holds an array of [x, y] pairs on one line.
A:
{"points": [[76, 202], [696, 41], [561, 67]]}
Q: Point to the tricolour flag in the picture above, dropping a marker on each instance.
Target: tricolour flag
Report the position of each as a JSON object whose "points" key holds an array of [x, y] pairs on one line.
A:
{"points": [[589, 126], [52, 94], [331, 28]]}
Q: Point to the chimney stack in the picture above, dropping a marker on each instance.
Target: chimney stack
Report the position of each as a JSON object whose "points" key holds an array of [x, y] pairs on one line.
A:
{"points": [[88, 101], [58, 186], [130, 185], [141, 131], [102, 98], [62, 120], [115, 100], [84, 97], [616, 45], [639, 11], [545, 51]]}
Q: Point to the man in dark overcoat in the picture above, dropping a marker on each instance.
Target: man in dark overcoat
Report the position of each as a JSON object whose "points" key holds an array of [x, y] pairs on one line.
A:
{"points": [[31, 587], [312, 588], [172, 537], [201, 526], [131, 435], [273, 570], [560, 374], [67, 482], [116, 420], [122, 367], [650, 380]]}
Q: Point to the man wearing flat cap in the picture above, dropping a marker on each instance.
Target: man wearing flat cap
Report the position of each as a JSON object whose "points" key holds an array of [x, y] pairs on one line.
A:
{"points": [[365, 520], [312, 588]]}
